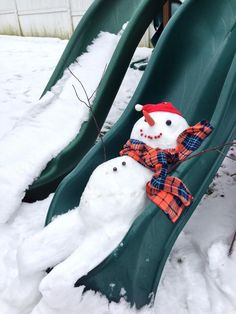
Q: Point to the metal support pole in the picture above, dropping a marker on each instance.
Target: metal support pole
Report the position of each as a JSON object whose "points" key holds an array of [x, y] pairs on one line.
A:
{"points": [[166, 12], [17, 18]]}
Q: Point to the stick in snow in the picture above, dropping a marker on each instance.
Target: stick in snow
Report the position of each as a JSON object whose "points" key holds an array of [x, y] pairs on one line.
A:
{"points": [[88, 104], [231, 248]]}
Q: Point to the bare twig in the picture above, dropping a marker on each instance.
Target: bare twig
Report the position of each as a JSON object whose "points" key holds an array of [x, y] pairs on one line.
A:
{"points": [[95, 121], [87, 103], [216, 148], [231, 248], [84, 102], [81, 84]]}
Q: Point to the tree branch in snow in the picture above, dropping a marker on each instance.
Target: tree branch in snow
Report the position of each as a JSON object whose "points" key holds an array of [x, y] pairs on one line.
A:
{"points": [[231, 248], [89, 106], [81, 84]]}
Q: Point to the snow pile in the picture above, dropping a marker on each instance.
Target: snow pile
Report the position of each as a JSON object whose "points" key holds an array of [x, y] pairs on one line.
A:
{"points": [[53, 122], [17, 294], [26, 66]]}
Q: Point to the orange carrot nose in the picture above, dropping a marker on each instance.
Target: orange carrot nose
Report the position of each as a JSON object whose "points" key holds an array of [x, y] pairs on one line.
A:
{"points": [[148, 118]]}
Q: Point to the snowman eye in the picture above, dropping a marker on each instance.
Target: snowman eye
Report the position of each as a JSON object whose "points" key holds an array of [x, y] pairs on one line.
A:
{"points": [[168, 122]]}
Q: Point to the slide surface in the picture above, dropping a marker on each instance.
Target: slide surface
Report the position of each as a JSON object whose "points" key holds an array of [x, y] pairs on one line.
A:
{"points": [[109, 16], [193, 66]]}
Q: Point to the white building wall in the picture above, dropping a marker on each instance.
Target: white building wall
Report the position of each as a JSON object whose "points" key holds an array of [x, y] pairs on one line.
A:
{"points": [[47, 18], [9, 23]]}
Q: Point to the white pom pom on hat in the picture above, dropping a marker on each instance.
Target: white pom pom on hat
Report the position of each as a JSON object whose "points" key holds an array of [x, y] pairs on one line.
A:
{"points": [[138, 107]]}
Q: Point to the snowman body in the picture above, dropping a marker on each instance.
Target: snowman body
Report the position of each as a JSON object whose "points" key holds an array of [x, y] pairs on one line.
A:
{"points": [[113, 198], [115, 193]]}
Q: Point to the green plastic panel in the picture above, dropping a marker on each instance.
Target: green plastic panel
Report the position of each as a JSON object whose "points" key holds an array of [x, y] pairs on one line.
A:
{"points": [[194, 66], [103, 15]]}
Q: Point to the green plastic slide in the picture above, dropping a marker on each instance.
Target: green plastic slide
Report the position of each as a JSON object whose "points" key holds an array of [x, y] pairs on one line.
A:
{"points": [[103, 15], [193, 66]]}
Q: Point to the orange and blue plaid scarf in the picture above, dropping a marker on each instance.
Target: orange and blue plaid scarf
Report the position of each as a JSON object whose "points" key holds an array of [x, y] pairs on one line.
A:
{"points": [[167, 192]]}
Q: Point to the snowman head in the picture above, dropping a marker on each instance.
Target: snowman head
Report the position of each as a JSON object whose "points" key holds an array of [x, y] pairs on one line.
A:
{"points": [[160, 125]]}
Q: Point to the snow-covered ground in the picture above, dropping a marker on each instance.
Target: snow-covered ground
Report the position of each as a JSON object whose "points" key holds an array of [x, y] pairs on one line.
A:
{"points": [[199, 277], [26, 65]]}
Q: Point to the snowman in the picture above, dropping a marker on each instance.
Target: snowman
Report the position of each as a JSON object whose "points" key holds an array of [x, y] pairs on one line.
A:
{"points": [[116, 193]]}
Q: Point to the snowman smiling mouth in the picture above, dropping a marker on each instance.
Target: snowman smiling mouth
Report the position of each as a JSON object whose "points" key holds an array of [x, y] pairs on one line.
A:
{"points": [[151, 137]]}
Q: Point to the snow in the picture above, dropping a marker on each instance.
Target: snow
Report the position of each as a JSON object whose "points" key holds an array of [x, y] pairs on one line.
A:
{"points": [[199, 276], [20, 88], [17, 295]]}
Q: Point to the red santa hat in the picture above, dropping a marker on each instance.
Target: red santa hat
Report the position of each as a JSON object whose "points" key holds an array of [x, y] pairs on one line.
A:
{"points": [[163, 106]]}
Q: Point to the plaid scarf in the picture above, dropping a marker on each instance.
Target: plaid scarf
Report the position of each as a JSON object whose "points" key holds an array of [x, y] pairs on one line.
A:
{"points": [[167, 192]]}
